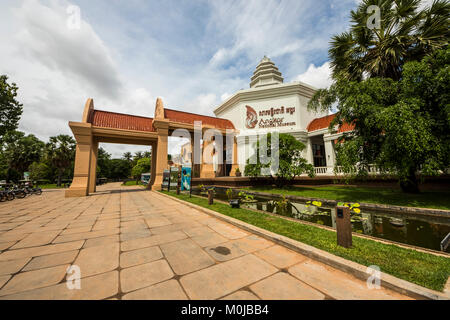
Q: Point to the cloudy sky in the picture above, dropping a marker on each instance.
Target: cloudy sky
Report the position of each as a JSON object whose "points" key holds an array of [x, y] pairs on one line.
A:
{"points": [[192, 53]]}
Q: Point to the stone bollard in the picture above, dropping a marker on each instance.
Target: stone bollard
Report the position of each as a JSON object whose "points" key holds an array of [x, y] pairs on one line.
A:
{"points": [[343, 227], [210, 197]]}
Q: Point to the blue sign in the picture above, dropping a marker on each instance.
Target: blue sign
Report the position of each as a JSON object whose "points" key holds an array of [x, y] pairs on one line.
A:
{"points": [[185, 178]]}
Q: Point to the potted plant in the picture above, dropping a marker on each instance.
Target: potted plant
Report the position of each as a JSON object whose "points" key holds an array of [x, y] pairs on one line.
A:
{"points": [[238, 172]]}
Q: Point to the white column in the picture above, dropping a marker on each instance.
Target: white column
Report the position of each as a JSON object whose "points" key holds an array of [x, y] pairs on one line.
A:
{"points": [[309, 152], [329, 152]]}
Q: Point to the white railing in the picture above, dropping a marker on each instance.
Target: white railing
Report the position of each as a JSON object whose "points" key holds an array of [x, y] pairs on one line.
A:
{"points": [[331, 171]]}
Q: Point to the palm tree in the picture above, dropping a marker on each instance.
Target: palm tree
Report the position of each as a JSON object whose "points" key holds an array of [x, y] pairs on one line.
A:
{"points": [[61, 153], [138, 155], [406, 33], [127, 156]]}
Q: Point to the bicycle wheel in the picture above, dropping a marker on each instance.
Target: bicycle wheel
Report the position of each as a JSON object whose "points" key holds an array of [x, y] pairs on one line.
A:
{"points": [[21, 194], [11, 196]]}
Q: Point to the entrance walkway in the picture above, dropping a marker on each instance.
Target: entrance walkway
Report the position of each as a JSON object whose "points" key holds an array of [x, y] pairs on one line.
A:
{"points": [[134, 244]]}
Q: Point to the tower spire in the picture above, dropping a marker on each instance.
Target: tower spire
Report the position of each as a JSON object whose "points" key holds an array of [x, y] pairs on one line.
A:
{"points": [[266, 74]]}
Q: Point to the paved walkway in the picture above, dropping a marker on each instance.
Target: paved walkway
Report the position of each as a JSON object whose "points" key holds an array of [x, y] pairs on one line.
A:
{"points": [[135, 244]]}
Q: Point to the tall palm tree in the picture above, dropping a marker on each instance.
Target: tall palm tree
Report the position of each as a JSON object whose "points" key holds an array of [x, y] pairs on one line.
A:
{"points": [[61, 153], [127, 156], [406, 33]]}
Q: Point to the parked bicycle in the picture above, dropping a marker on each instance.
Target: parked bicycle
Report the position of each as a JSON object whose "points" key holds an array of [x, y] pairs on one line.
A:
{"points": [[6, 195], [29, 189], [19, 193]]}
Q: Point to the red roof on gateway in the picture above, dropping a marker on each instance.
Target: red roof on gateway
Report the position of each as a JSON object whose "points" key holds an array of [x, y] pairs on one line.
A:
{"points": [[106, 119]]}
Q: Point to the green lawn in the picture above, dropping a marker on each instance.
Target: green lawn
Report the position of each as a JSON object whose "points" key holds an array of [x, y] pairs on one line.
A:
{"points": [[421, 268], [50, 186], [429, 199], [132, 183]]}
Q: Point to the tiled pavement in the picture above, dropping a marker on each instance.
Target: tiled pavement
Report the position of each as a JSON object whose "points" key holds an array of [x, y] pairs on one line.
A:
{"points": [[134, 244]]}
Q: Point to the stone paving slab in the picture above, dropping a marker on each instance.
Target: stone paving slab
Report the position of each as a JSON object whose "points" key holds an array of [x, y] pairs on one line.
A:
{"points": [[133, 244], [140, 256], [169, 290], [185, 256], [282, 286]]}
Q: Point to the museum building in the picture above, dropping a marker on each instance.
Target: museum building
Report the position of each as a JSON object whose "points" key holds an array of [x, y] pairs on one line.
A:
{"points": [[272, 105]]}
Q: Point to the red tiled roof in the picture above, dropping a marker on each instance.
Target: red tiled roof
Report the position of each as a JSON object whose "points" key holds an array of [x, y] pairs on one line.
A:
{"points": [[189, 118], [114, 120], [324, 122]]}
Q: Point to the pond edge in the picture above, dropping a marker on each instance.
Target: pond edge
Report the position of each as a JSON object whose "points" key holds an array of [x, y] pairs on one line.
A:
{"points": [[353, 268]]}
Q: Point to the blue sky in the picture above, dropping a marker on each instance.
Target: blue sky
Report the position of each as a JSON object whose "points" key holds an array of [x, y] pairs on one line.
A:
{"points": [[193, 54]]}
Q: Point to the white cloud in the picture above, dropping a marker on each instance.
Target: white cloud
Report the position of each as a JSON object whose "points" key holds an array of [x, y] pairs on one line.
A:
{"points": [[203, 104], [225, 96], [319, 77], [195, 54]]}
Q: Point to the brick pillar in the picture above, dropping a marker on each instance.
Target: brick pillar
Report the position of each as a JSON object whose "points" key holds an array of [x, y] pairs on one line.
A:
{"points": [[80, 183], [162, 128]]}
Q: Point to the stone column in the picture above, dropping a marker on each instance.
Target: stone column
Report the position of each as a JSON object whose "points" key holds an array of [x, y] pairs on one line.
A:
{"points": [[80, 183], [309, 152], [93, 167], [162, 128], [329, 152]]}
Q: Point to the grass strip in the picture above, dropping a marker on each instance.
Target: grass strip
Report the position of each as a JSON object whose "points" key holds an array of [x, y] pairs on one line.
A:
{"points": [[424, 269]]}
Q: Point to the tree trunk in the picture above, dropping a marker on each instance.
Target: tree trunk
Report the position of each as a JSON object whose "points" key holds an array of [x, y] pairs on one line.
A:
{"points": [[59, 177], [410, 184]]}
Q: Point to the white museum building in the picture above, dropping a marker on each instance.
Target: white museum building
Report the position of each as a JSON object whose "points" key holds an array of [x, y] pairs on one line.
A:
{"points": [[272, 105]]}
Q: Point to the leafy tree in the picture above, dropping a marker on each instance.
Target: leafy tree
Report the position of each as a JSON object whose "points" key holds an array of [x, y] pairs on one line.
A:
{"points": [[39, 171], [137, 156], [291, 163], [400, 126], [20, 151], [103, 163], [143, 166], [147, 154], [10, 108], [61, 153], [405, 34], [120, 169]]}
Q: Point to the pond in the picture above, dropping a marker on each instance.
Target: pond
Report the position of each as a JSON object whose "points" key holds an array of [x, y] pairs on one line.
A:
{"points": [[417, 230]]}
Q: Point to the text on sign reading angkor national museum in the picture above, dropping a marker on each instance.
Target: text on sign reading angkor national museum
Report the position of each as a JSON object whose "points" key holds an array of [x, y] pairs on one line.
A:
{"points": [[273, 122]]}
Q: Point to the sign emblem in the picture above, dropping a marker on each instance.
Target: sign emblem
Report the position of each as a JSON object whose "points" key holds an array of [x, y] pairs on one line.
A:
{"points": [[252, 118]]}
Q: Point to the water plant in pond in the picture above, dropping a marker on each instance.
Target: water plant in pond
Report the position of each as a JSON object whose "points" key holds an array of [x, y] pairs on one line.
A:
{"points": [[246, 198], [313, 203], [354, 207], [229, 193], [204, 190]]}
